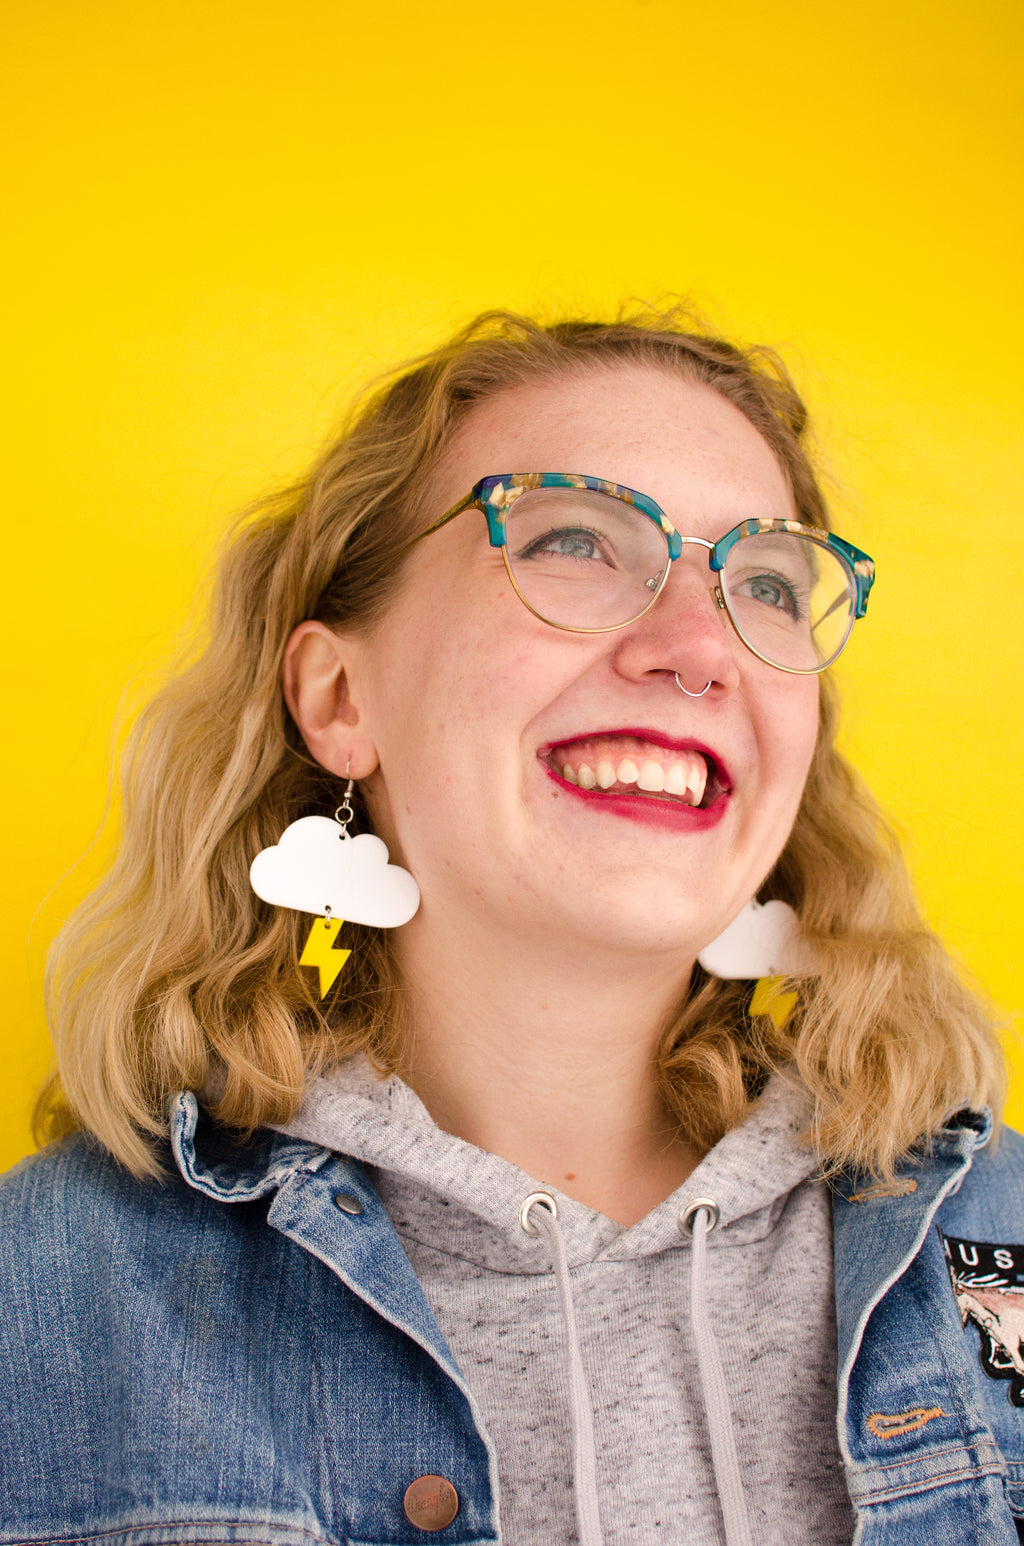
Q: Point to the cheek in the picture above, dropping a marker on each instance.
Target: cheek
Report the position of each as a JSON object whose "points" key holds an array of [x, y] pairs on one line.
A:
{"points": [[444, 689], [790, 729], [801, 734]]}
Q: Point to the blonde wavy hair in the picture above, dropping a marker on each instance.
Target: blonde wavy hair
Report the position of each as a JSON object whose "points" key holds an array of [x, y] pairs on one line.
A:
{"points": [[173, 975]]}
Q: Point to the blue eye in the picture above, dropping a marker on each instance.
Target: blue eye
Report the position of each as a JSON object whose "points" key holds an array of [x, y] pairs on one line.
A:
{"points": [[771, 590], [565, 542]]}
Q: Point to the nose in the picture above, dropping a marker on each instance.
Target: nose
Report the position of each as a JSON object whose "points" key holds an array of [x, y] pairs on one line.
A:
{"points": [[686, 632]]}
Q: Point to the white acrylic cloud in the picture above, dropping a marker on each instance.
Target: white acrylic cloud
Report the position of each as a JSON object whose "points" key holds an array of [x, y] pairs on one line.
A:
{"points": [[315, 866], [762, 941]]}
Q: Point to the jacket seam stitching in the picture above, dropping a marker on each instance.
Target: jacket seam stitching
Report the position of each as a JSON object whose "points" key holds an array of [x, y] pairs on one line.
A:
{"points": [[867, 1469], [866, 1497]]}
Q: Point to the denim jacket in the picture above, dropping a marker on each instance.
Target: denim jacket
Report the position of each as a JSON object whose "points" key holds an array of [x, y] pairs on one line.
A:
{"points": [[242, 1353]]}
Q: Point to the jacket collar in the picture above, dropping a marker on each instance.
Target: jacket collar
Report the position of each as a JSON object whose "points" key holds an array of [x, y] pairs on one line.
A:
{"points": [[359, 1244], [878, 1227], [213, 1163]]}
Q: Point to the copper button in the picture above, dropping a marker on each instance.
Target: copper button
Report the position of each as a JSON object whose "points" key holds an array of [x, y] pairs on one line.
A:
{"points": [[348, 1204], [431, 1503]]}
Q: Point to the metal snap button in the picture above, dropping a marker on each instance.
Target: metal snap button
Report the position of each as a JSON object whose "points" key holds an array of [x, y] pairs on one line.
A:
{"points": [[349, 1204], [430, 1503]]}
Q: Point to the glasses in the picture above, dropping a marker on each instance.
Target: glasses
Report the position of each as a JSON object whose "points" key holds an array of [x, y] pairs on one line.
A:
{"points": [[589, 556]]}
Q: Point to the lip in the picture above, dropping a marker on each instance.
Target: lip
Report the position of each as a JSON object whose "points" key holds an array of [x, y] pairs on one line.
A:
{"points": [[648, 811]]}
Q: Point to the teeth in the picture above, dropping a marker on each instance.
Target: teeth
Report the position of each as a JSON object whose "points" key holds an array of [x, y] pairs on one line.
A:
{"points": [[676, 779], [651, 776], [685, 776]]}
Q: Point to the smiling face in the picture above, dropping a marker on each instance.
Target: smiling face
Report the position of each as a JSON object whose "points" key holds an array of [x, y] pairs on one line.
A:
{"points": [[560, 784]]}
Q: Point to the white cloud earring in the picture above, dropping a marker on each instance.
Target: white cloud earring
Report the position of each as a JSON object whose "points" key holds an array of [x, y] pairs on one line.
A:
{"points": [[316, 867], [762, 942]]}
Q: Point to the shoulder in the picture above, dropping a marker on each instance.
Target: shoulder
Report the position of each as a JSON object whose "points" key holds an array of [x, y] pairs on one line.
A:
{"points": [[73, 1200], [57, 1206], [45, 1184], [1008, 1147], [1002, 1157], [138, 1317], [989, 1202], [90, 1252]]}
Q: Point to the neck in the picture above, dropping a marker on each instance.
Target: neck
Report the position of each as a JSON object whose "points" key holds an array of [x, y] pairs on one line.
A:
{"points": [[546, 1054]]}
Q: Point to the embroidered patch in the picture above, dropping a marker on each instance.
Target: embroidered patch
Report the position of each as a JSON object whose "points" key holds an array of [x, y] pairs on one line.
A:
{"points": [[889, 1425], [988, 1281], [902, 1186]]}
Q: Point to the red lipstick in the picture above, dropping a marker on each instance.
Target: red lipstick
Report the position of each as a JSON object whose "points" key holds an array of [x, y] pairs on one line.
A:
{"points": [[648, 808]]}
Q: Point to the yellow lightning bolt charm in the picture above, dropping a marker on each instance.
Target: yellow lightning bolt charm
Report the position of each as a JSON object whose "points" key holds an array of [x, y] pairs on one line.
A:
{"points": [[768, 999], [319, 951]]}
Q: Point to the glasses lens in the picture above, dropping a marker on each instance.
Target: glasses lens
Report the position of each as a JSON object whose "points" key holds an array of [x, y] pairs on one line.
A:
{"points": [[792, 599], [582, 559]]}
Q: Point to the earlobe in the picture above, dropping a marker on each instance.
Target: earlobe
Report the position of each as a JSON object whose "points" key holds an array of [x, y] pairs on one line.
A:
{"points": [[319, 682]]}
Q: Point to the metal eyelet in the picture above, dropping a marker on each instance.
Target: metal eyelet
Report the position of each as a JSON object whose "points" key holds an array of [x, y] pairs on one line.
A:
{"points": [[545, 1200], [709, 1206]]}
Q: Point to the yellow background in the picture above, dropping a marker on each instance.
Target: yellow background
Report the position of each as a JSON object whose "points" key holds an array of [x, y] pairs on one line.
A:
{"points": [[227, 216]]}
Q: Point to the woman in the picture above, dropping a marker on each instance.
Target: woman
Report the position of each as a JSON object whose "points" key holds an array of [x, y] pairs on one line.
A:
{"points": [[532, 1202]]}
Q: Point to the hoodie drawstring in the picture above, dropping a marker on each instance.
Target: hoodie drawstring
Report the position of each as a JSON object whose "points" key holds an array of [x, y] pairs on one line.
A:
{"points": [[539, 1216], [698, 1220]]}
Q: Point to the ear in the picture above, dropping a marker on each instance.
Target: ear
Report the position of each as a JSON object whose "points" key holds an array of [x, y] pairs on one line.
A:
{"points": [[319, 681]]}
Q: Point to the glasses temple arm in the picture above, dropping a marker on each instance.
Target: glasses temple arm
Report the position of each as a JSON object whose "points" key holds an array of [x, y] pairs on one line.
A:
{"points": [[449, 515], [442, 520], [840, 601]]}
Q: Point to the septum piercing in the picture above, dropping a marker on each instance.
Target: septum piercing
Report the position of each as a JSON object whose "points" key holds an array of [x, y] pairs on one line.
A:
{"points": [[687, 691]]}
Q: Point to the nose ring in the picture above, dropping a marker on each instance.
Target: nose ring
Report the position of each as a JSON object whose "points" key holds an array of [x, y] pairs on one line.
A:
{"points": [[687, 691]]}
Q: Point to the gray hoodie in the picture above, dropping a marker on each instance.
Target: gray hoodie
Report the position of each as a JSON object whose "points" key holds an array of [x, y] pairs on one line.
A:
{"points": [[767, 1290]]}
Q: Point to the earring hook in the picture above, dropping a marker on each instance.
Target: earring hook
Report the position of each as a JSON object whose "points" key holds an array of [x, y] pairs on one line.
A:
{"points": [[343, 815]]}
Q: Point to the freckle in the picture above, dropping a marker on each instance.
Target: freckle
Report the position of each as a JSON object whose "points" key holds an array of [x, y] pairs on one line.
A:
{"points": [[570, 1175]]}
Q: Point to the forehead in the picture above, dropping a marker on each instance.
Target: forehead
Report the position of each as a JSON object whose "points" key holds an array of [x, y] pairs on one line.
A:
{"points": [[674, 439]]}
